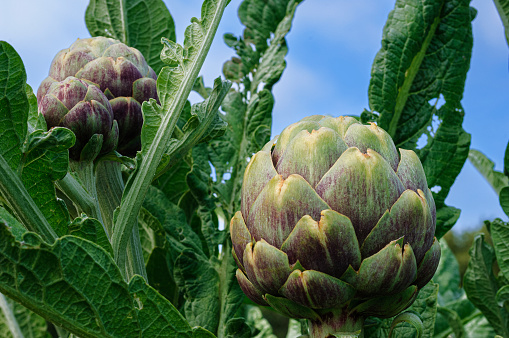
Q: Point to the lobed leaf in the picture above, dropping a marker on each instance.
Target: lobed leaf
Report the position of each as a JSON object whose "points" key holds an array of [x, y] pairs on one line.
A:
{"points": [[481, 286], [425, 55], [14, 105], [503, 10], [30, 325]]}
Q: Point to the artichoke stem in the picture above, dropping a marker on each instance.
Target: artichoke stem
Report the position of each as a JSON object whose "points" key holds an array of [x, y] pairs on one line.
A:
{"points": [[110, 187], [85, 173], [337, 323]]}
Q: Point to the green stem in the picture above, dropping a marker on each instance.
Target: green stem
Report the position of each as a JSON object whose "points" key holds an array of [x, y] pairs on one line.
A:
{"points": [[15, 193], [85, 172], [110, 187], [78, 195], [12, 323], [133, 200], [337, 323]]}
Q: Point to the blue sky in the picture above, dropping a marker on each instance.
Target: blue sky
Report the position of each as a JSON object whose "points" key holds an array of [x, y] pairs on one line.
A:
{"points": [[332, 46]]}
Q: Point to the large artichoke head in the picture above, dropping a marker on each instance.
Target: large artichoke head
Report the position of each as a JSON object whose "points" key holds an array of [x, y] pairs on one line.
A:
{"points": [[334, 217], [83, 108], [121, 73]]}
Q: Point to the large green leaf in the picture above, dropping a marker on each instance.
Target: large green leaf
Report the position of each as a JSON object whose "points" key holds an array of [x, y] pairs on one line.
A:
{"points": [[486, 167], [76, 284], [46, 160], [500, 235], [503, 11], [504, 199], [425, 55], [137, 23], [481, 285], [13, 105]]}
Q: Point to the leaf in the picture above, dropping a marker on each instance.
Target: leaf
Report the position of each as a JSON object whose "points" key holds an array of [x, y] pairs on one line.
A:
{"points": [[152, 234], [447, 276], [454, 321], [73, 283], [203, 125], [499, 231], [273, 62], [426, 307], [92, 230], [261, 18], [137, 23], [30, 324], [481, 286], [443, 158], [425, 55], [446, 218], [503, 11], [156, 315], [504, 199], [14, 105], [173, 86], [506, 160], [486, 167]]}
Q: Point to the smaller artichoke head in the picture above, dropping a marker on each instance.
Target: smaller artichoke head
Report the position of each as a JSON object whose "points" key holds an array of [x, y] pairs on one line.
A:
{"points": [[121, 73], [83, 108], [333, 216]]}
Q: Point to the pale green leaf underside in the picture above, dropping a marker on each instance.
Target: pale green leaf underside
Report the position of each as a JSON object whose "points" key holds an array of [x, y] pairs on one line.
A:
{"points": [[486, 167]]}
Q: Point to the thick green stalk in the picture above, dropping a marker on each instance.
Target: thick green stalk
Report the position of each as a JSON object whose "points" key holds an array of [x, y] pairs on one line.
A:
{"points": [[12, 323], [133, 200], [337, 323], [110, 187], [78, 195], [85, 172], [16, 195]]}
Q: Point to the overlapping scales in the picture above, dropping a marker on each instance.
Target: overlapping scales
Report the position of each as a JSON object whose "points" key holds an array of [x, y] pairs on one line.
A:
{"points": [[334, 215]]}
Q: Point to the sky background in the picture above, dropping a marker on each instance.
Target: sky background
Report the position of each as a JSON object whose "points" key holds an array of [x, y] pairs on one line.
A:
{"points": [[332, 45]]}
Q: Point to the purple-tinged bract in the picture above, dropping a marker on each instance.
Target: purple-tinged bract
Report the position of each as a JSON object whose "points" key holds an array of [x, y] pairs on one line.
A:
{"points": [[335, 221], [120, 72]]}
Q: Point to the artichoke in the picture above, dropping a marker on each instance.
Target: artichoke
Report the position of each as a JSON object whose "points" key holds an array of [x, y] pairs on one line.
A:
{"points": [[83, 108], [121, 72], [335, 225]]}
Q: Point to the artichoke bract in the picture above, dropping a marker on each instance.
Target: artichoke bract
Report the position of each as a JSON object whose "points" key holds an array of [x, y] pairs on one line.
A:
{"points": [[121, 72], [335, 225], [83, 108]]}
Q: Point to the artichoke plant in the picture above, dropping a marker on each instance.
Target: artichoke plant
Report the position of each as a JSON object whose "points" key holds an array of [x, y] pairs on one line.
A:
{"points": [[121, 72], [335, 225], [83, 108]]}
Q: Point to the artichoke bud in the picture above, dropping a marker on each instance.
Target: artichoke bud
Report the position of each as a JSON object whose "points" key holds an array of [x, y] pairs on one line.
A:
{"points": [[83, 108], [119, 72], [334, 219]]}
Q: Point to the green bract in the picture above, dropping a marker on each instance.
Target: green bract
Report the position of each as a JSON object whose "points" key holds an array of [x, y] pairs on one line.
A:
{"points": [[121, 72], [335, 223]]}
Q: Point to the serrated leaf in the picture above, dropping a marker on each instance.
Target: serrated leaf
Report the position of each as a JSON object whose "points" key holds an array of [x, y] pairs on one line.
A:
{"points": [[156, 315], [499, 231], [446, 218], [486, 167], [14, 105], [481, 286], [50, 281], [426, 307], [454, 321], [425, 55], [503, 11], [92, 230], [504, 199], [173, 88], [273, 62], [137, 23], [447, 276], [46, 160], [443, 158]]}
